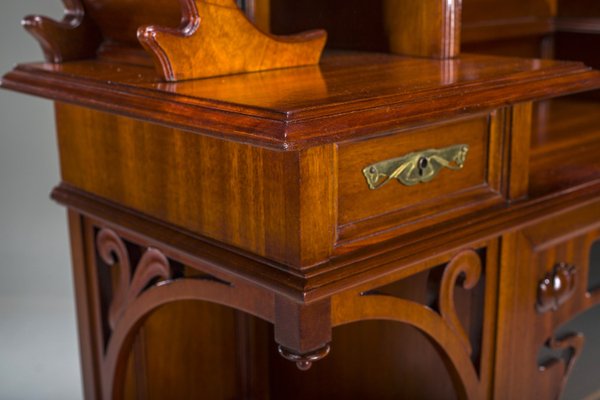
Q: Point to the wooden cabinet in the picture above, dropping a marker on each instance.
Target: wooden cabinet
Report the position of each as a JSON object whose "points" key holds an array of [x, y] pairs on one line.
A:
{"points": [[545, 283], [395, 226], [370, 200]]}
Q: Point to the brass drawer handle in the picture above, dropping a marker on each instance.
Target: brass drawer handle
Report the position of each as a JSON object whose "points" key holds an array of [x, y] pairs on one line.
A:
{"points": [[417, 167]]}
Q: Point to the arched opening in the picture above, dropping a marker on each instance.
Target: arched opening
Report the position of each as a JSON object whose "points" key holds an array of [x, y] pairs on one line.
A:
{"points": [[195, 349]]}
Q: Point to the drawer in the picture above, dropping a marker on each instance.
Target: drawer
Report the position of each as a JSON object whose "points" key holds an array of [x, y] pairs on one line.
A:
{"points": [[418, 173]]}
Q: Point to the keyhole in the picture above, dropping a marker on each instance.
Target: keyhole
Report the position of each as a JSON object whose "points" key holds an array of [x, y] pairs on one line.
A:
{"points": [[422, 164]]}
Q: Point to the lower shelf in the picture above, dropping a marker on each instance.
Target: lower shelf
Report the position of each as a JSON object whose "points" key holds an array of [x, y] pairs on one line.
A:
{"points": [[192, 350]]}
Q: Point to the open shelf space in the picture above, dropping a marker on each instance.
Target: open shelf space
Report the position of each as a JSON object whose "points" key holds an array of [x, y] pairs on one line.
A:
{"points": [[565, 144]]}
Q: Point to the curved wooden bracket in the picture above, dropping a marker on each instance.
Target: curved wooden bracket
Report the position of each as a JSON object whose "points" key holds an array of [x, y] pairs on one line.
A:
{"points": [[216, 38], [76, 37], [153, 265], [140, 286], [468, 264]]}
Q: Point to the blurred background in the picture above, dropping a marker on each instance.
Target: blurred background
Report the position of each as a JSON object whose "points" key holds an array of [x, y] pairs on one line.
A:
{"points": [[38, 334]]}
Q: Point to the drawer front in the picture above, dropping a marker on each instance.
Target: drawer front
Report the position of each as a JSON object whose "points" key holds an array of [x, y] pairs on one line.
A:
{"points": [[414, 173]]}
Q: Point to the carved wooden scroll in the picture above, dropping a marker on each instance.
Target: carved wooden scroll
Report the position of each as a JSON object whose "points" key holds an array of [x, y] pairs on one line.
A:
{"points": [[469, 266], [215, 38], [138, 287], [153, 266], [443, 328], [75, 37]]}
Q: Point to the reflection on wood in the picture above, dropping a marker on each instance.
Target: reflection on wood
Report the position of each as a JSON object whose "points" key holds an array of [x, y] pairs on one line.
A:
{"points": [[215, 38]]}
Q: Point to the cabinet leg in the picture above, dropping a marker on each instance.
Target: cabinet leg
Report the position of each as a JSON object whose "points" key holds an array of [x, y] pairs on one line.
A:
{"points": [[303, 331], [87, 334]]}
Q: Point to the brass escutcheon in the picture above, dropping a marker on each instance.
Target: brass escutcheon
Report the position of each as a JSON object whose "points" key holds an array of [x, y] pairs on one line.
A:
{"points": [[417, 167]]}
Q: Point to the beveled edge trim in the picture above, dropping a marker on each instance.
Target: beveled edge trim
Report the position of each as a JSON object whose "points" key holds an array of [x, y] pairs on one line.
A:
{"points": [[342, 272], [294, 130]]}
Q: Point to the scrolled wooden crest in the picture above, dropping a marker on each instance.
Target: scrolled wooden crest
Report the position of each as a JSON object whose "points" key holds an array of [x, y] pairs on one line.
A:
{"points": [[216, 38], [75, 37]]}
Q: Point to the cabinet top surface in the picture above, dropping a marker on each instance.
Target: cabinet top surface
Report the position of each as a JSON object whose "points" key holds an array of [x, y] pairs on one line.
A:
{"points": [[290, 108]]}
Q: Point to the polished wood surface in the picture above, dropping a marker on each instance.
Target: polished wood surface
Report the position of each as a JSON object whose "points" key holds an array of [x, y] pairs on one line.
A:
{"points": [[364, 212], [223, 227], [185, 39], [424, 28], [119, 21], [216, 38], [357, 201], [509, 19], [535, 251], [560, 159], [201, 335], [294, 108]]}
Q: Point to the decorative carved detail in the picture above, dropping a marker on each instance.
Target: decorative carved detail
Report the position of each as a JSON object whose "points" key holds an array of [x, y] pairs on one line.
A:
{"points": [[304, 361], [417, 167], [152, 266], [216, 38], [568, 347], [467, 264], [154, 282], [444, 328], [75, 37], [427, 321], [556, 288]]}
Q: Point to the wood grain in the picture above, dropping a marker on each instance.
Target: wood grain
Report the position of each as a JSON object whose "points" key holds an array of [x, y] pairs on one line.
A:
{"points": [[560, 159], [521, 127], [198, 335], [528, 256], [215, 38], [280, 221], [348, 95], [216, 222], [510, 18], [392, 258], [85, 313], [424, 28], [126, 151], [185, 39], [357, 201], [119, 20]]}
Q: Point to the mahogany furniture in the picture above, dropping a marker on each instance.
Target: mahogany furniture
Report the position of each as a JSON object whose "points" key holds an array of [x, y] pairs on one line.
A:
{"points": [[396, 226]]}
